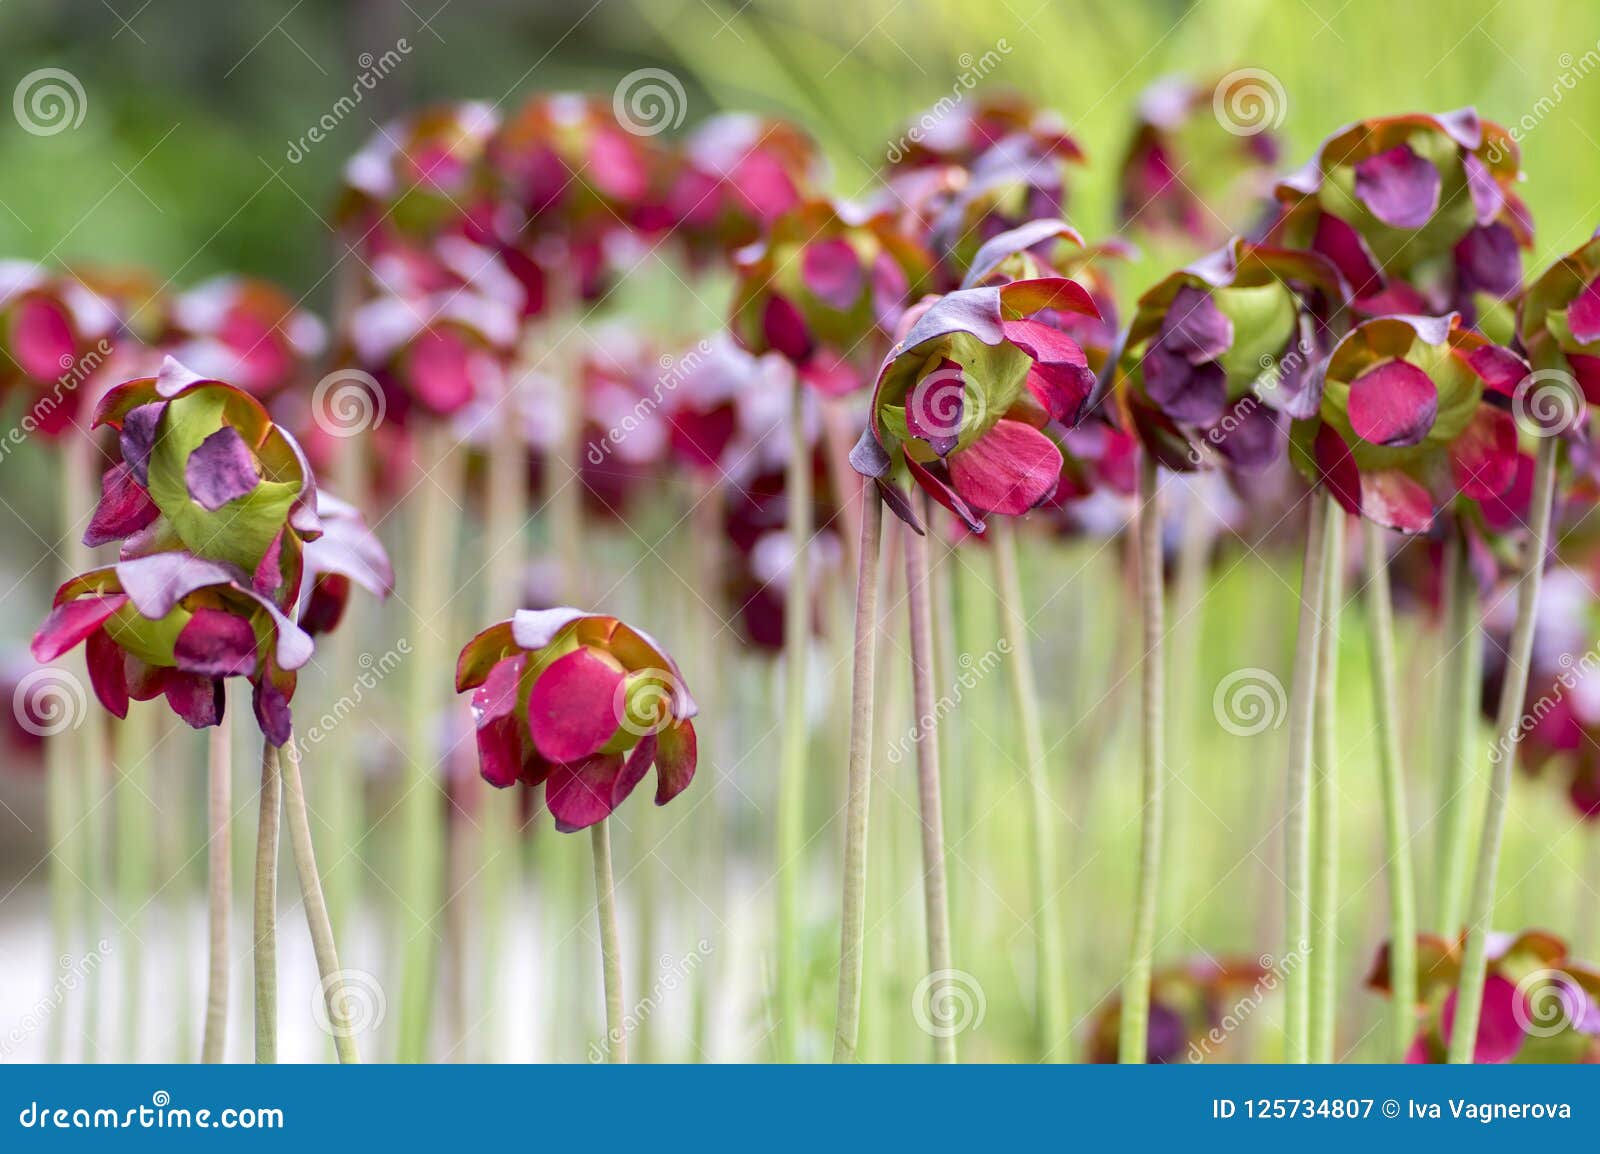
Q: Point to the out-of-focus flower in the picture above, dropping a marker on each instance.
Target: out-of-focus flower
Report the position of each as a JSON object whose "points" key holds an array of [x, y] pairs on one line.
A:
{"points": [[581, 702], [205, 470], [825, 290], [1192, 1006], [963, 399], [736, 175], [1221, 355], [1001, 162], [54, 331], [175, 624], [1539, 1005], [1419, 214], [1187, 175], [246, 331], [1404, 425], [422, 176]]}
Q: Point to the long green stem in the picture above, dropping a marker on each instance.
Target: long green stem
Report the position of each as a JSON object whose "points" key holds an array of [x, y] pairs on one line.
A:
{"points": [[1463, 670], [935, 893], [1297, 800], [1325, 803], [1044, 855], [1397, 831], [266, 908], [131, 738], [605, 896], [422, 857], [219, 862], [333, 979], [1133, 1040], [1508, 723], [792, 771], [858, 798]]}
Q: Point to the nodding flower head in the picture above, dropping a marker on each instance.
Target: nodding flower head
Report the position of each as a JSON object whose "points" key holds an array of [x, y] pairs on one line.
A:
{"points": [[54, 331], [581, 702], [1223, 354], [1414, 414], [246, 331], [1418, 212], [826, 290], [735, 176], [964, 399]]}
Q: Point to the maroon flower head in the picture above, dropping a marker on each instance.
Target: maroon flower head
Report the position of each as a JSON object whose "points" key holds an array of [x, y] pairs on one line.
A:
{"points": [[584, 704]]}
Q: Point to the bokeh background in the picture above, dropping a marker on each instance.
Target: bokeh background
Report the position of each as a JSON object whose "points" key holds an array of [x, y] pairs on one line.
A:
{"points": [[190, 159]]}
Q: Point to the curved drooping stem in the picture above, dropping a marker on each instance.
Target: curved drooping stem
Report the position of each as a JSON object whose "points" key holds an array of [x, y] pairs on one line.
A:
{"points": [[266, 907], [1133, 1040], [333, 979], [219, 868], [853, 919], [935, 891], [792, 769], [1297, 799], [1325, 804], [1508, 721], [616, 1047], [1050, 969], [1397, 831], [1463, 669]]}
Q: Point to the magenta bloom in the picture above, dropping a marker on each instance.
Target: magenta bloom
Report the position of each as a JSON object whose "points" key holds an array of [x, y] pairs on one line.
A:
{"points": [[581, 702], [736, 175], [53, 332], [246, 331], [963, 399]]}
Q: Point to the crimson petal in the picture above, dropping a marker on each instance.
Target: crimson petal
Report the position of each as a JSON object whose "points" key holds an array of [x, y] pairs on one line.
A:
{"points": [[1195, 327], [216, 643], [1484, 457], [573, 707], [198, 699], [785, 330], [125, 507], [677, 750], [440, 364], [1336, 465], [72, 622], [832, 271], [1009, 470], [936, 407], [1395, 500], [1393, 404], [1344, 246], [108, 672], [579, 794], [1583, 314]]}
